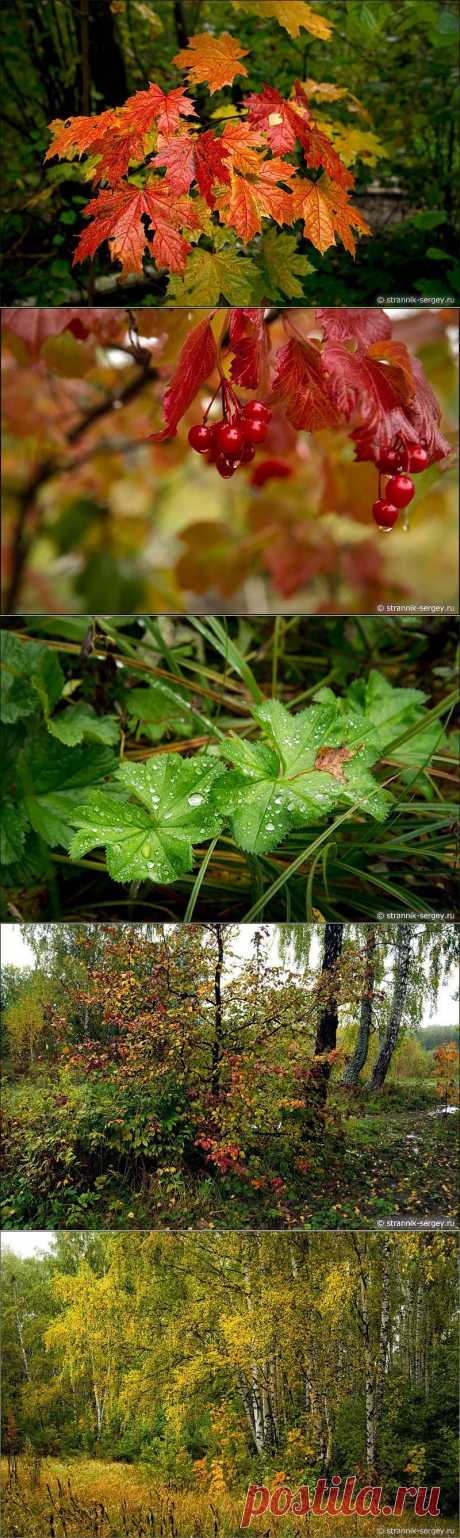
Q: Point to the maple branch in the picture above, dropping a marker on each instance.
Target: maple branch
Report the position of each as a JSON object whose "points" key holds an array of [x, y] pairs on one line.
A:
{"points": [[49, 468]]}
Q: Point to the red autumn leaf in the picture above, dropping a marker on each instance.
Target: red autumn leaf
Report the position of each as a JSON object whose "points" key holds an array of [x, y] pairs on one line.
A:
{"points": [[249, 343], [298, 556], [80, 135], [117, 217], [368, 394], [361, 326], [398, 366], [145, 108], [317, 148], [215, 60], [424, 414], [301, 386], [268, 110], [197, 359], [187, 160], [286, 123], [210, 164], [178, 157], [35, 326]]}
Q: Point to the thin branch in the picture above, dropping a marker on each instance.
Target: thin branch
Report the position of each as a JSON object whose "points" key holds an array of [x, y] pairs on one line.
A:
{"points": [[49, 468]]}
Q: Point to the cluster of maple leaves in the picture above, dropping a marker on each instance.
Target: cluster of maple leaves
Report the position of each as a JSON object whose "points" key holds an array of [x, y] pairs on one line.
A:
{"points": [[236, 178]]}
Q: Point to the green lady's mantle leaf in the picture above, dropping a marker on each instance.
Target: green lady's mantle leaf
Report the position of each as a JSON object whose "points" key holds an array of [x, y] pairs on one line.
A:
{"points": [[31, 677], [388, 711], [317, 760], [50, 777], [151, 837], [79, 721]]}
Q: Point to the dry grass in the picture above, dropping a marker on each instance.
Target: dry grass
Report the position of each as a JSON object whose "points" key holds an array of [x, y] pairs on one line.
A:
{"points": [[89, 1499]]}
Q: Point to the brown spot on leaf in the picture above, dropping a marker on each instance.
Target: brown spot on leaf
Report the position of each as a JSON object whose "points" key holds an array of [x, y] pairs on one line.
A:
{"points": [[331, 760]]}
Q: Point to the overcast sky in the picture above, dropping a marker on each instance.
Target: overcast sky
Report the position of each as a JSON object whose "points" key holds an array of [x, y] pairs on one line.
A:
{"points": [[28, 1243], [16, 952]]}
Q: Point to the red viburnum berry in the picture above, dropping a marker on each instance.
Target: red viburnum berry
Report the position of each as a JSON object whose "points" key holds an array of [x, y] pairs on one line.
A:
{"points": [[200, 438], [257, 409], [230, 439], [384, 514], [247, 453], [418, 459], [225, 466], [389, 461], [399, 490], [255, 429]]}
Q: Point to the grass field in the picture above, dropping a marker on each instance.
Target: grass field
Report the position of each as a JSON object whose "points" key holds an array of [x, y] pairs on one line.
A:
{"points": [[90, 1499]]}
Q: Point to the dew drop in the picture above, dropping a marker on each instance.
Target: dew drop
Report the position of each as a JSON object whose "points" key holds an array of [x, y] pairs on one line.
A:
{"points": [[195, 800]]}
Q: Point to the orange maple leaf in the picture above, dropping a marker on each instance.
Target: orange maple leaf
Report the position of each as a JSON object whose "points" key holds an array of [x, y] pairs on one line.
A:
{"points": [[250, 198], [327, 212], [215, 60]]}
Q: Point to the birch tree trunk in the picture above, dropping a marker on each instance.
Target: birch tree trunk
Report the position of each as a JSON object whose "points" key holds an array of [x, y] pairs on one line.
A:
{"points": [[382, 1359], [357, 1061], [401, 979], [326, 1034]]}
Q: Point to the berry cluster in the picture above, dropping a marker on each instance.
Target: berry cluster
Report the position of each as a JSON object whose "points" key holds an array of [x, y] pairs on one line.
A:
{"points": [[399, 489], [233, 440]]}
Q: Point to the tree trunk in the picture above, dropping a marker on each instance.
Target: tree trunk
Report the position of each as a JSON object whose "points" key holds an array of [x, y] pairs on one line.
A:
{"points": [[401, 978], [218, 1011], [382, 1360], [107, 65], [353, 1068], [180, 24], [326, 1034], [368, 1371]]}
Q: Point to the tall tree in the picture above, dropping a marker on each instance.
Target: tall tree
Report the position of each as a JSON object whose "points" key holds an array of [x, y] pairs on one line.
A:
{"points": [[357, 1060], [400, 983]]}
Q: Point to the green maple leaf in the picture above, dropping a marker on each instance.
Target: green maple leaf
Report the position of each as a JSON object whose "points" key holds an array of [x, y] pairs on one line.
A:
{"points": [[32, 677], [317, 760], [210, 275], [79, 721], [283, 265], [50, 778], [151, 837]]}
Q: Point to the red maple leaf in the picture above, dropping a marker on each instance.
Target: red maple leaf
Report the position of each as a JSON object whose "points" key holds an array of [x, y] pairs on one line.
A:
{"points": [[249, 344], [302, 387], [187, 160], [197, 360], [269, 111], [286, 123], [145, 108], [117, 217]]}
